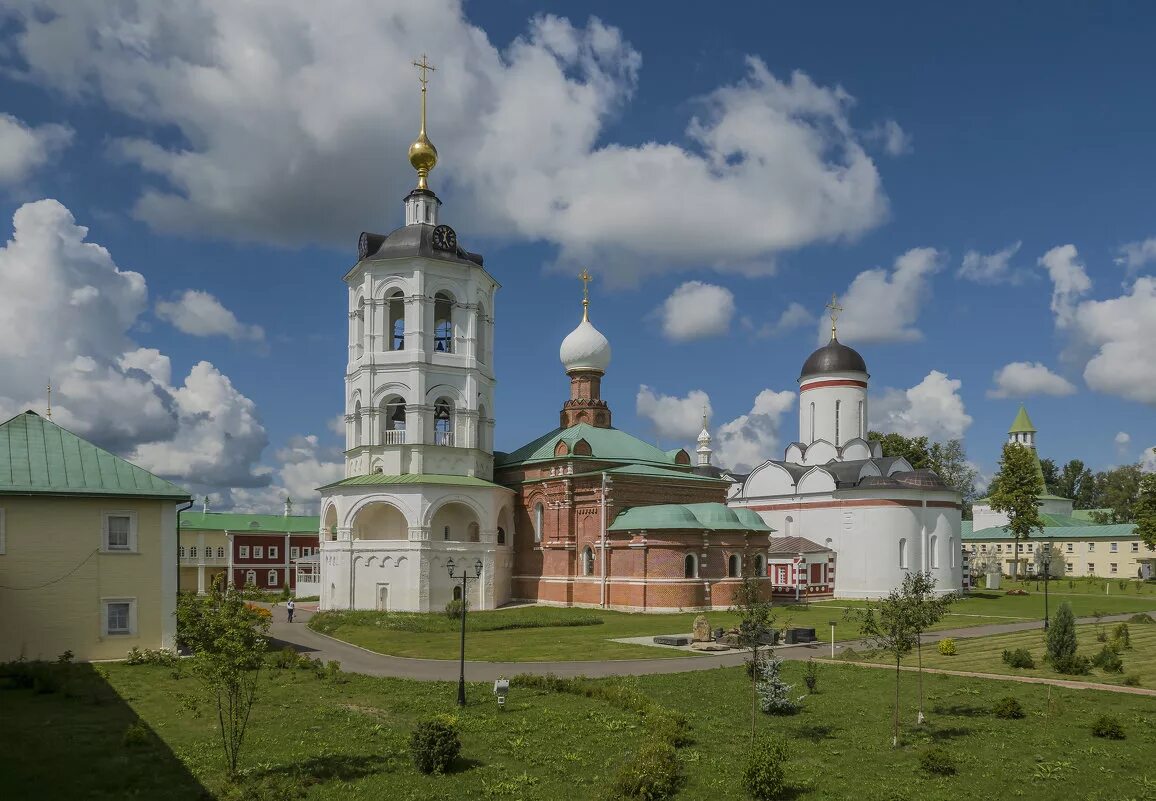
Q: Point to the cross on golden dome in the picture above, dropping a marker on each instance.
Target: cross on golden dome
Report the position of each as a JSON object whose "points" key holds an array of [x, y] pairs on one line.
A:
{"points": [[586, 278], [422, 154], [834, 308]]}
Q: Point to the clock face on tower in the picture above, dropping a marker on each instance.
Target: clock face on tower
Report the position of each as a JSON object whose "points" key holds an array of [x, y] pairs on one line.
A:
{"points": [[444, 238]]}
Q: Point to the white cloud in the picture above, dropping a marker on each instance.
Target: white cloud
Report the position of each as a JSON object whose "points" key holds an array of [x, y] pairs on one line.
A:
{"points": [[293, 120], [932, 408], [991, 268], [202, 315], [695, 310], [896, 141], [794, 316], [24, 148], [1023, 379], [752, 438], [883, 305], [1113, 337], [1148, 460], [673, 417], [1123, 438], [303, 465], [1135, 255], [65, 316], [337, 425]]}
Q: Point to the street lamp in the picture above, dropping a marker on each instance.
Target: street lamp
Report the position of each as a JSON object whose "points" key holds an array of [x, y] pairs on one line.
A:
{"points": [[465, 577], [1047, 560]]}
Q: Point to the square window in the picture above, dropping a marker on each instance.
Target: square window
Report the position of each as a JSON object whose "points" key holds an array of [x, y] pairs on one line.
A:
{"points": [[294, 552], [258, 551], [1112, 567], [243, 552], [1091, 567], [1114, 547], [1031, 547], [1091, 546], [1070, 547], [119, 531], [272, 551], [1069, 566], [119, 616], [1135, 548], [273, 581]]}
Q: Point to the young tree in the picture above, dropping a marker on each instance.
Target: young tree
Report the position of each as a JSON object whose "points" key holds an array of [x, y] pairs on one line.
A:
{"points": [[227, 638], [1015, 491], [927, 608], [755, 624], [890, 624], [1061, 641], [1144, 510], [775, 696]]}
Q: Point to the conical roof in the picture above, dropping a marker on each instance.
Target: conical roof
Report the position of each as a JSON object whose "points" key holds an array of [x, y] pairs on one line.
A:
{"points": [[1022, 424]]}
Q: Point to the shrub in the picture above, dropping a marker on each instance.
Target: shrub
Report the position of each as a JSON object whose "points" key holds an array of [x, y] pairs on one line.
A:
{"points": [[811, 675], [947, 646], [454, 608], [765, 775], [1008, 708], [136, 735], [1019, 658], [46, 680], [938, 761], [1142, 618], [1108, 660], [1101, 636], [1108, 727], [1121, 635], [65, 658], [775, 696], [261, 612], [151, 656], [332, 669], [285, 594], [653, 773], [434, 745], [1132, 680], [1016, 592]]}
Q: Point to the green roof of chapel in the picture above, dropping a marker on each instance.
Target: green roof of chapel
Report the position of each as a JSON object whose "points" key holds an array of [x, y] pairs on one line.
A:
{"points": [[1022, 424], [39, 457], [701, 516], [606, 444]]}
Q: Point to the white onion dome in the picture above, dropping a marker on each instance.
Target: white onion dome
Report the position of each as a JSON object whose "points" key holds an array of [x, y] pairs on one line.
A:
{"points": [[585, 348]]}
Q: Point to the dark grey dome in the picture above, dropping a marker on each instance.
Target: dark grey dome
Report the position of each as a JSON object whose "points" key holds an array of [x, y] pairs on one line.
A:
{"points": [[834, 357], [408, 241], [879, 482], [927, 479]]}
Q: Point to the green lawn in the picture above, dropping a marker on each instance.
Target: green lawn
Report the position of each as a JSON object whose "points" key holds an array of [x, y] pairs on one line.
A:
{"points": [[983, 654], [436, 637], [346, 739]]}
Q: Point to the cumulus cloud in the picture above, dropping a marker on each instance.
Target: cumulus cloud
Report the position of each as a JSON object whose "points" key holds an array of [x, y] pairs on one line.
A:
{"points": [[895, 141], [1148, 460], [673, 417], [794, 316], [1117, 333], [202, 315], [695, 310], [23, 148], [1135, 255], [1023, 379], [65, 316], [293, 119], [991, 268], [932, 408], [900, 291], [303, 465]]}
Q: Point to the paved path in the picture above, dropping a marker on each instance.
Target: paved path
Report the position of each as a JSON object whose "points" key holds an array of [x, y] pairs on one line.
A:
{"points": [[360, 660]]}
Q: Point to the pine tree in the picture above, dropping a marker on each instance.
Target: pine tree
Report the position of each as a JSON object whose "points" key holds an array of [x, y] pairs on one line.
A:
{"points": [[1015, 491], [775, 695], [1061, 641]]}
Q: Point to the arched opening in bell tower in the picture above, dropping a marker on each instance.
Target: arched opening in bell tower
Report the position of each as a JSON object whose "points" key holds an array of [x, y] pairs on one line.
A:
{"points": [[394, 431], [443, 323], [397, 321], [443, 422]]}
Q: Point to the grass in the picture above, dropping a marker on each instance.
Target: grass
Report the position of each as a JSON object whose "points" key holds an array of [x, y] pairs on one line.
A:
{"points": [[542, 634], [346, 739], [983, 654]]}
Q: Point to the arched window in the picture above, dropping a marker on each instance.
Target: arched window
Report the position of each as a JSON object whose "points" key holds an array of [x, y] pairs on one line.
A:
{"points": [[690, 566], [812, 422], [443, 422], [481, 433], [394, 431], [182, 552], [273, 579], [734, 566], [837, 404], [481, 338], [588, 561], [397, 321], [934, 551], [443, 323], [903, 554], [862, 422], [951, 549], [193, 552], [538, 515], [789, 526], [220, 552], [359, 328], [760, 565], [457, 593], [475, 534], [250, 577], [356, 423], [501, 536]]}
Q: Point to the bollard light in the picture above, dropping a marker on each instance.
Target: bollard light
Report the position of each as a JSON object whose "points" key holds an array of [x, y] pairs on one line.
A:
{"points": [[501, 690]]}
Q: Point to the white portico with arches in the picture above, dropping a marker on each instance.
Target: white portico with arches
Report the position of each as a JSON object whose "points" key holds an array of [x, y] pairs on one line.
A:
{"points": [[419, 388]]}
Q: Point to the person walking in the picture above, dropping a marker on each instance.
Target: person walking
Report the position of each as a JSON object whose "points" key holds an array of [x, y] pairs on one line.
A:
{"points": [[289, 608]]}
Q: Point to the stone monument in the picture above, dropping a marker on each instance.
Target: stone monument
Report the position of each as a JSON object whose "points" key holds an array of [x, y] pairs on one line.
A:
{"points": [[701, 630]]}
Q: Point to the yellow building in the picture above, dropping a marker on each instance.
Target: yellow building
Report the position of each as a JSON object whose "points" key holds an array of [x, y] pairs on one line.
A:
{"points": [[88, 547]]}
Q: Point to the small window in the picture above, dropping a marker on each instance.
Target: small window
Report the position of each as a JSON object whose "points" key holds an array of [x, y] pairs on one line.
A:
{"points": [[1091, 568], [294, 552], [120, 531], [1135, 548], [243, 552], [983, 548], [446, 533], [307, 551], [119, 616], [273, 550], [1031, 547], [538, 515], [1091, 546], [690, 566], [443, 323], [220, 551], [273, 579], [588, 561], [837, 404], [734, 566], [760, 565], [1113, 567], [501, 536], [182, 549], [1070, 547], [1114, 547], [1069, 566], [457, 593], [258, 551], [250, 577], [903, 553], [932, 544], [193, 552]]}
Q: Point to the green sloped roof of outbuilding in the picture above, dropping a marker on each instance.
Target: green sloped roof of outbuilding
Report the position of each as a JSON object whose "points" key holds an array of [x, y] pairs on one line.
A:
{"points": [[606, 444], [237, 522], [41, 458], [1060, 528], [700, 516]]}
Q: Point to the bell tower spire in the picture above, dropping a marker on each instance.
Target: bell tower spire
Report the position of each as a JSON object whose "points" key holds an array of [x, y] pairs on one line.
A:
{"points": [[421, 205]]}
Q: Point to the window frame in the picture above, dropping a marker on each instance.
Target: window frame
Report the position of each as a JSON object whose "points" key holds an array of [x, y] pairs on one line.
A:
{"points": [[539, 520], [273, 578], [253, 573], [258, 551], [294, 552], [273, 550], [242, 551], [693, 561], [105, 518], [220, 551], [105, 604]]}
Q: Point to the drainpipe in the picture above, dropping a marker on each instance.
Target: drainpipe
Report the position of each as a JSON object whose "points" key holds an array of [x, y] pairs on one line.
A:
{"points": [[605, 599], [184, 508]]}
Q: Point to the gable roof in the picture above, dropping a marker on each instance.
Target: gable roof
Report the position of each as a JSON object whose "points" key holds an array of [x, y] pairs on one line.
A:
{"points": [[39, 457], [794, 545], [238, 522], [606, 444]]}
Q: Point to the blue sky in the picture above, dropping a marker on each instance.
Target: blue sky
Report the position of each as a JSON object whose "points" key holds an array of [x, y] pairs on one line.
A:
{"points": [[261, 157]]}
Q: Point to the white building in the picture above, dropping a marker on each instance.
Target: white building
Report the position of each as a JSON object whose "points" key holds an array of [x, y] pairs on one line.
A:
{"points": [[419, 388], [835, 488]]}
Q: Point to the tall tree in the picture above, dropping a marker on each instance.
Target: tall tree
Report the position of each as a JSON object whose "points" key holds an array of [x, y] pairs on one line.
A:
{"points": [[755, 622], [1051, 474], [1015, 491], [915, 450], [949, 461], [1068, 484], [1144, 510], [1121, 487], [1091, 492]]}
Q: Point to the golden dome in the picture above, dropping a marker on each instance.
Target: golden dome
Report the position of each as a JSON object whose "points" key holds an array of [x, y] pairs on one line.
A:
{"points": [[423, 156]]}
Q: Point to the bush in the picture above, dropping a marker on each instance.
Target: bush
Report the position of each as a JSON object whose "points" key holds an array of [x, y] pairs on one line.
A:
{"points": [[1074, 665], [1108, 660], [434, 745], [765, 775], [1132, 680], [811, 675], [1121, 635], [947, 646], [1019, 658], [65, 658], [136, 735], [1108, 727], [151, 656], [775, 696], [651, 774], [454, 608], [938, 761], [285, 594], [1142, 619], [1016, 592], [1008, 708]]}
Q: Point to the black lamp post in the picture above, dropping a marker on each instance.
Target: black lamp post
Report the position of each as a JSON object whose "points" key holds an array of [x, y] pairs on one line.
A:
{"points": [[465, 577], [1047, 560]]}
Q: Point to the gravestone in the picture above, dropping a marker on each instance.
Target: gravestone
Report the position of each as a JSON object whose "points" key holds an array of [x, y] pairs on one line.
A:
{"points": [[672, 639], [700, 632]]}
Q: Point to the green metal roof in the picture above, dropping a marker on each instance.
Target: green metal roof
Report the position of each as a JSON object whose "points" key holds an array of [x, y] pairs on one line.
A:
{"points": [[1060, 528], [650, 471], [1086, 514], [606, 444], [965, 528], [1022, 424], [237, 522], [37, 456], [700, 516], [376, 479]]}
